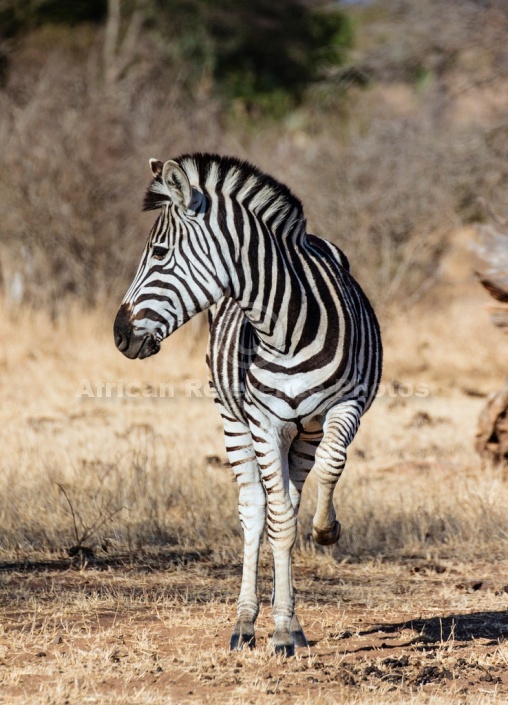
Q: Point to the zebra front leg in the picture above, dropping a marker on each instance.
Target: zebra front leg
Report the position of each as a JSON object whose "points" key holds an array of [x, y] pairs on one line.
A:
{"points": [[251, 508], [271, 447], [339, 429], [301, 461]]}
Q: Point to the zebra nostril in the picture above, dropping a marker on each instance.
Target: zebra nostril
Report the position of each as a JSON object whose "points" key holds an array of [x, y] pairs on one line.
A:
{"points": [[122, 328], [118, 340]]}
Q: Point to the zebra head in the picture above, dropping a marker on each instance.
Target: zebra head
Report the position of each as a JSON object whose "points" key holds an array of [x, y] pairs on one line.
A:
{"points": [[176, 277]]}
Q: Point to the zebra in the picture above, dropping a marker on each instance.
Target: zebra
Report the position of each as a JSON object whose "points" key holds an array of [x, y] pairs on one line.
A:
{"points": [[294, 351]]}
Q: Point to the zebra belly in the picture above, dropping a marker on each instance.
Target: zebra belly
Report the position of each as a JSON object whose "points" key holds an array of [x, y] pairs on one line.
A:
{"points": [[313, 426]]}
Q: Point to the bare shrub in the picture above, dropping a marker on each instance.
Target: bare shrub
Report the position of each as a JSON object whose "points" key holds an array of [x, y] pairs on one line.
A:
{"points": [[72, 179], [84, 109], [412, 41]]}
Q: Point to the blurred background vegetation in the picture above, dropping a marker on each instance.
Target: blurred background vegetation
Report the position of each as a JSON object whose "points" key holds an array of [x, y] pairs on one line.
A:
{"points": [[388, 118]]}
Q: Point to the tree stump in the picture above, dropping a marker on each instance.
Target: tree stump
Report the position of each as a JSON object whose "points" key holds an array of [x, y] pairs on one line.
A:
{"points": [[492, 433]]}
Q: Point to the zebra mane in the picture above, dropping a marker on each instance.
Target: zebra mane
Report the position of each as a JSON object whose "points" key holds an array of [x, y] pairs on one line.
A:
{"points": [[156, 195], [235, 177]]}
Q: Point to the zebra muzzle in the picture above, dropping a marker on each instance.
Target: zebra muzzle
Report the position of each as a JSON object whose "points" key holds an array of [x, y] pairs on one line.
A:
{"points": [[128, 341]]}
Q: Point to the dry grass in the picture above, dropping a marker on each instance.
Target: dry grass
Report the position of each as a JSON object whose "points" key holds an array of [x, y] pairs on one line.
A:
{"points": [[144, 636], [143, 470], [143, 612]]}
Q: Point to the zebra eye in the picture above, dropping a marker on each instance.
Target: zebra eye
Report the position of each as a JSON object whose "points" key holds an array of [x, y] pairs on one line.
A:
{"points": [[159, 252]]}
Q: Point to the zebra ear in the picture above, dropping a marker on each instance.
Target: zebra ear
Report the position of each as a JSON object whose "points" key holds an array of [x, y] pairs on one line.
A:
{"points": [[156, 167], [177, 183]]}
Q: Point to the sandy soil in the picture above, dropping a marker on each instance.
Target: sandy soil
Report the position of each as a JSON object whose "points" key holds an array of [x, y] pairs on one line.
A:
{"points": [[157, 631]]}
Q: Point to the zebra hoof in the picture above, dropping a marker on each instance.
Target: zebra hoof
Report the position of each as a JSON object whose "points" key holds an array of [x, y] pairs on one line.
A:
{"points": [[297, 633], [238, 641], [326, 537], [300, 639], [243, 635], [286, 650], [284, 643]]}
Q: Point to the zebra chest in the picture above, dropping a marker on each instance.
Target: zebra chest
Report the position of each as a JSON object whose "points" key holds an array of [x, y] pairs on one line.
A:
{"points": [[287, 398]]}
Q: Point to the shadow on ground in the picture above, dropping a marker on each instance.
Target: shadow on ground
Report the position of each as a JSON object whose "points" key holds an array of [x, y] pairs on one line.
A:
{"points": [[80, 557], [458, 627]]}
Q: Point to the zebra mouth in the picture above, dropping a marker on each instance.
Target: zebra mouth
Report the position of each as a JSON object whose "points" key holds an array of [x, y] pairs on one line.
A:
{"points": [[149, 346], [140, 348]]}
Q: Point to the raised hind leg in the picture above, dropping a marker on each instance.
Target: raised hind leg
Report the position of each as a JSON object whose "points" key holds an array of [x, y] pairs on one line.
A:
{"points": [[339, 429], [301, 461], [252, 510]]}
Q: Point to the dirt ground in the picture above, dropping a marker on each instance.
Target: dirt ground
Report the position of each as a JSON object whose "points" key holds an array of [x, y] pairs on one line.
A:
{"points": [[157, 631]]}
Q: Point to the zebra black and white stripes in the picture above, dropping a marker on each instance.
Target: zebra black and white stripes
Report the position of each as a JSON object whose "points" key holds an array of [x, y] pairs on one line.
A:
{"points": [[294, 351]]}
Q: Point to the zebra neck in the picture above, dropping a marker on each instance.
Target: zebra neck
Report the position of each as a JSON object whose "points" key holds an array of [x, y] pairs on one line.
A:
{"points": [[272, 285]]}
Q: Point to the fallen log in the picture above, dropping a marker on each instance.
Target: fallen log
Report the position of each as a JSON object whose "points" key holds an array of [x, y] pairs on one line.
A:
{"points": [[492, 432]]}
